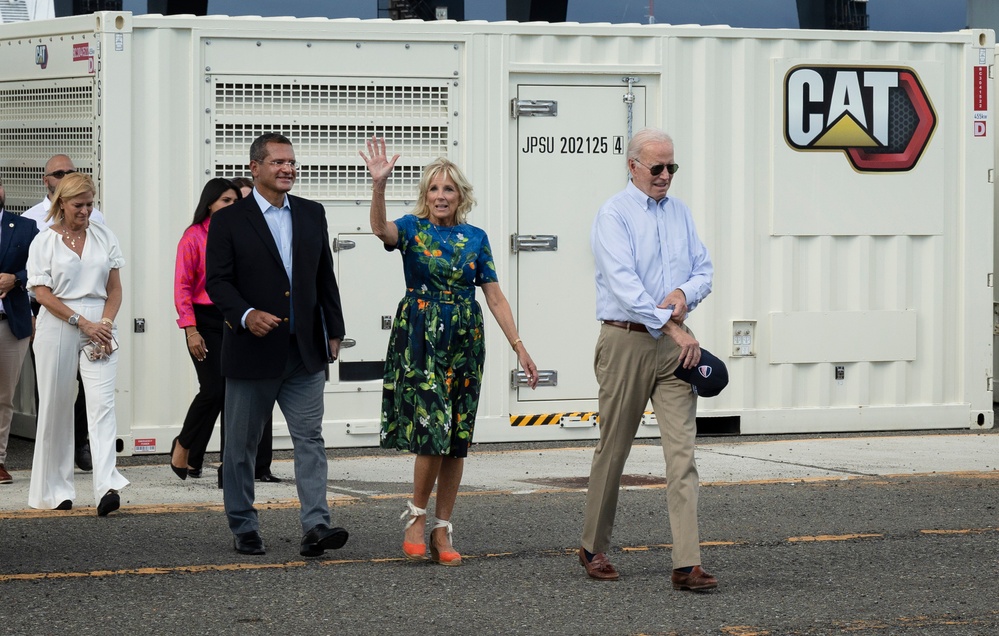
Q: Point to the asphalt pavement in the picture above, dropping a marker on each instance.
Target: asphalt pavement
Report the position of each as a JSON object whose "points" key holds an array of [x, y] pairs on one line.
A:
{"points": [[846, 534]]}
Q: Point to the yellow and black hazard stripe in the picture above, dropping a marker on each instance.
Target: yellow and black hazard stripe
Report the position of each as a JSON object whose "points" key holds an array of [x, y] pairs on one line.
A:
{"points": [[548, 419]]}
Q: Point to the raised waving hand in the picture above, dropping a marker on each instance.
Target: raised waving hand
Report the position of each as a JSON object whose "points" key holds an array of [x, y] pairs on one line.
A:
{"points": [[380, 167]]}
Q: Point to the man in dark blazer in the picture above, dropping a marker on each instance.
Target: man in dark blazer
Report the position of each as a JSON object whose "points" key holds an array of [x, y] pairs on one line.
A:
{"points": [[16, 235], [270, 272]]}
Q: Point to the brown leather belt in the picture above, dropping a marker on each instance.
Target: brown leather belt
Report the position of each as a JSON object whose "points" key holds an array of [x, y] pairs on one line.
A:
{"points": [[630, 326]]}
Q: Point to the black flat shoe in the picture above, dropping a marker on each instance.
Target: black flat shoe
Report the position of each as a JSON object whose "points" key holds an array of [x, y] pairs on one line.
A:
{"points": [[66, 505], [269, 478], [109, 503], [194, 473], [249, 543], [180, 472], [322, 538], [220, 477], [84, 460]]}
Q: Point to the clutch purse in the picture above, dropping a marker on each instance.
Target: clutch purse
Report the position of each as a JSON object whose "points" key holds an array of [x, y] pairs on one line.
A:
{"points": [[97, 351]]}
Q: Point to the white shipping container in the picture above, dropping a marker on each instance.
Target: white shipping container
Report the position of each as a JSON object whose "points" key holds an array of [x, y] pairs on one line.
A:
{"points": [[843, 182]]}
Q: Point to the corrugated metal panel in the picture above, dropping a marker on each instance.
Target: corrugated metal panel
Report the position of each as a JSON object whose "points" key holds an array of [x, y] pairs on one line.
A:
{"points": [[867, 293]]}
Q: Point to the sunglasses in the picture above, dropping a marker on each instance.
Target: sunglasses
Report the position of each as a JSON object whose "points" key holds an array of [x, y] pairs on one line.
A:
{"points": [[59, 174], [657, 169]]}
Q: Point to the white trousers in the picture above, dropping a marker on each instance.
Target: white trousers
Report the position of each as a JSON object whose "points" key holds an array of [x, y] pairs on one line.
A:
{"points": [[58, 355]]}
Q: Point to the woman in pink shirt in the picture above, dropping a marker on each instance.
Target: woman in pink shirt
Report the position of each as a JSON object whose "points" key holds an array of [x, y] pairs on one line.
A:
{"points": [[202, 324]]}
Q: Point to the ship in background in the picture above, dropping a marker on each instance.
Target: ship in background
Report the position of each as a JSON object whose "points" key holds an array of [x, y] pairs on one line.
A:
{"points": [[26, 10]]}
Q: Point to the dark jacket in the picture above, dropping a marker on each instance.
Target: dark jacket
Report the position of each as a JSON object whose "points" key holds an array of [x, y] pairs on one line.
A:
{"points": [[16, 235], [244, 270]]}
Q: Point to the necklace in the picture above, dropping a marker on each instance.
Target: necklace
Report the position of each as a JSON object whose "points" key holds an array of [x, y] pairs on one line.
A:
{"points": [[71, 238], [438, 233]]}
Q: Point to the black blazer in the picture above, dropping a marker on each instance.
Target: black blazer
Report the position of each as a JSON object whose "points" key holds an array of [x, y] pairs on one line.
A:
{"points": [[16, 235], [244, 270]]}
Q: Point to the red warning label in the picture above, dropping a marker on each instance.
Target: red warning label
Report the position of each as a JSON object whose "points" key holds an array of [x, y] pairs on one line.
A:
{"points": [[981, 88]]}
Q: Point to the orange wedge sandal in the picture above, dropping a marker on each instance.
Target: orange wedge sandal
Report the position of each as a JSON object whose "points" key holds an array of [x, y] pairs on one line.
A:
{"points": [[448, 557], [413, 551]]}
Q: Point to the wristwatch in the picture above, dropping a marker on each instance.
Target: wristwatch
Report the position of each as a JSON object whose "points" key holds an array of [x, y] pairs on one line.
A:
{"points": [[74, 319]]}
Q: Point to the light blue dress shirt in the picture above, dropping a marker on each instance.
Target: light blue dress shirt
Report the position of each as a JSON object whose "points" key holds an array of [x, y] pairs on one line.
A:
{"points": [[644, 250], [279, 222]]}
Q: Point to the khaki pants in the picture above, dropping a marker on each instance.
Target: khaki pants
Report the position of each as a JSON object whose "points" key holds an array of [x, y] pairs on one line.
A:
{"points": [[12, 353], [632, 367]]}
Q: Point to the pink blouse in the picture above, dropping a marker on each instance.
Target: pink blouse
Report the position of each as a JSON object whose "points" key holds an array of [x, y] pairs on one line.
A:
{"points": [[189, 274]]}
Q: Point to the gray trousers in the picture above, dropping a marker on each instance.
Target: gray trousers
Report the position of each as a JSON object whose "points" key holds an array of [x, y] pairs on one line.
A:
{"points": [[632, 367], [248, 405]]}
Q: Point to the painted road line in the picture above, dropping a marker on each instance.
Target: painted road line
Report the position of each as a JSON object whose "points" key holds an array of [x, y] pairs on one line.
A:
{"points": [[157, 509], [558, 552], [834, 537]]}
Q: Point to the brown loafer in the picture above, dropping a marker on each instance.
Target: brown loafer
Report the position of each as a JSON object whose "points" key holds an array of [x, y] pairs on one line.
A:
{"points": [[697, 580], [599, 567]]}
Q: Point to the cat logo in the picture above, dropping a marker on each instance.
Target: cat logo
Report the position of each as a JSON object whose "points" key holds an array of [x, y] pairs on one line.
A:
{"points": [[880, 117]]}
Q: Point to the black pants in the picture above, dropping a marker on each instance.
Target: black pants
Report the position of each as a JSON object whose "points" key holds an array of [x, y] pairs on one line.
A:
{"points": [[208, 404]]}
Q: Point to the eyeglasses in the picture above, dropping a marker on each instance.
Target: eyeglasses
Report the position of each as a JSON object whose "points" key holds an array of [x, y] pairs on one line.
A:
{"points": [[281, 163], [59, 174], [657, 169]]}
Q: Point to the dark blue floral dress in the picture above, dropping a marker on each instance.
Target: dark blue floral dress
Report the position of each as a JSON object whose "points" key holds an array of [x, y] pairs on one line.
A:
{"points": [[433, 368]]}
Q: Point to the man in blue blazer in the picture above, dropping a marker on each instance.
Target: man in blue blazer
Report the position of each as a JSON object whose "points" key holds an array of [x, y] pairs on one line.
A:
{"points": [[16, 235], [270, 272]]}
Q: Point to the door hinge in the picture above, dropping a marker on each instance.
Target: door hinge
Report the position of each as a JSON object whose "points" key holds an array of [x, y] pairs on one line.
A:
{"points": [[338, 244], [533, 243], [533, 108]]}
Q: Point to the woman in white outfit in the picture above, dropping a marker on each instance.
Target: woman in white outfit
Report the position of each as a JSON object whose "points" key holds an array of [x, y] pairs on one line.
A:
{"points": [[73, 272]]}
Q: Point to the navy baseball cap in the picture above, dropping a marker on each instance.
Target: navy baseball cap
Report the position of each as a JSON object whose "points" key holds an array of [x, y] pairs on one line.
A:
{"points": [[708, 378]]}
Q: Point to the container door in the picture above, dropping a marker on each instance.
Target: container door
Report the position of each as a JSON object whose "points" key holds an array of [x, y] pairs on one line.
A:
{"points": [[568, 164], [371, 283]]}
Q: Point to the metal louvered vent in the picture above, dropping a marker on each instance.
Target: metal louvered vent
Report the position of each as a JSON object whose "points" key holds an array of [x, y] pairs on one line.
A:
{"points": [[328, 121], [38, 120]]}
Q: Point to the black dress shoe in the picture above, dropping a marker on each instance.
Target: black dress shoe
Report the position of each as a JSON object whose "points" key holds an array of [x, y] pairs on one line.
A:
{"points": [[220, 476], [109, 503], [66, 505], [269, 478], [84, 460], [194, 473], [249, 543], [180, 472], [322, 538]]}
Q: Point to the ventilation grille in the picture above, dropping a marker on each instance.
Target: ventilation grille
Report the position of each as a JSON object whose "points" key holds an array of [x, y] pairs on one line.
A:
{"points": [[14, 11], [38, 120], [319, 100], [47, 103], [328, 123]]}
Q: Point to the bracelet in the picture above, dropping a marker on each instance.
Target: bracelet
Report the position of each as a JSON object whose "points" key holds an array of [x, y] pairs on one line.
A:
{"points": [[107, 321], [515, 343], [193, 333]]}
